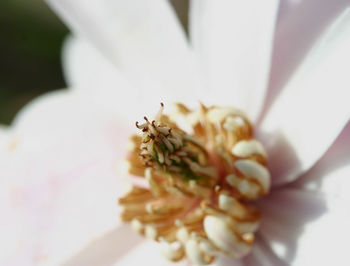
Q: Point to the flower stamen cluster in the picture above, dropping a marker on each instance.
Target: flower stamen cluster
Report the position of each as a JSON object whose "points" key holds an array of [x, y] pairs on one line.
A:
{"points": [[200, 184]]}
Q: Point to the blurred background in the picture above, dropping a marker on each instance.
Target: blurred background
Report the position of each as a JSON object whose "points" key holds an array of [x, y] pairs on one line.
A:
{"points": [[30, 45], [30, 52]]}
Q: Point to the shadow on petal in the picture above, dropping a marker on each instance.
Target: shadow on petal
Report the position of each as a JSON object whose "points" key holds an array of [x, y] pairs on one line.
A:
{"points": [[107, 249], [263, 255], [337, 156], [282, 159], [286, 212], [222, 260]]}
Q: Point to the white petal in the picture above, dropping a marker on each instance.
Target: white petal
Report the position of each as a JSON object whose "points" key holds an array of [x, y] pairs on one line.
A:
{"points": [[143, 39], [299, 25], [88, 70], [107, 249], [60, 182], [262, 255], [233, 40], [311, 203], [61, 115], [310, 228], [313, 108], [337, 156], [4, 138], [222, 260], [325, 241], [148, 252], [286, 213]]}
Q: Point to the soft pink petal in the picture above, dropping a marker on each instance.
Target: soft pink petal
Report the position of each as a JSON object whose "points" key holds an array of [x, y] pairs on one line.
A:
{"points": [[59, 180], [233, 41], [144, 39], [313, 108]]}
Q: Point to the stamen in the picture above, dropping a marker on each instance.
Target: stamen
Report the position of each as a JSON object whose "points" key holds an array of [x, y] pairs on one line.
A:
{"points": [[172, 251], [197, 204]]}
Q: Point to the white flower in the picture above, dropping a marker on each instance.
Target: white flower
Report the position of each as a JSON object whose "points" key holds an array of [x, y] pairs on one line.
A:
{"points": [[59, 159]]}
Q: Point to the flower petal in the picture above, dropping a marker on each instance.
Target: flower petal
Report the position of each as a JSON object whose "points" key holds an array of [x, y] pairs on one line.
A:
{"points": [[107, 249], [60, 181], [330, 177], [61, 115], [321, 240], [286, 213], [4, 138], [338, 155], [143, 39], [233, 40], [88, 70], [299, 25], [223, 260], [313, 108], [325, 241], [148, 251], [262, 255]]}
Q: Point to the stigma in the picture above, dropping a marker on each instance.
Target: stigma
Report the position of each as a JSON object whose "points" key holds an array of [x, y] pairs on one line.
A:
{"points": [[201, 184]]}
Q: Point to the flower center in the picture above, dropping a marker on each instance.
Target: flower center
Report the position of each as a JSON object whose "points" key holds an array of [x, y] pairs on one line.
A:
{"points": [[200, 184]]}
